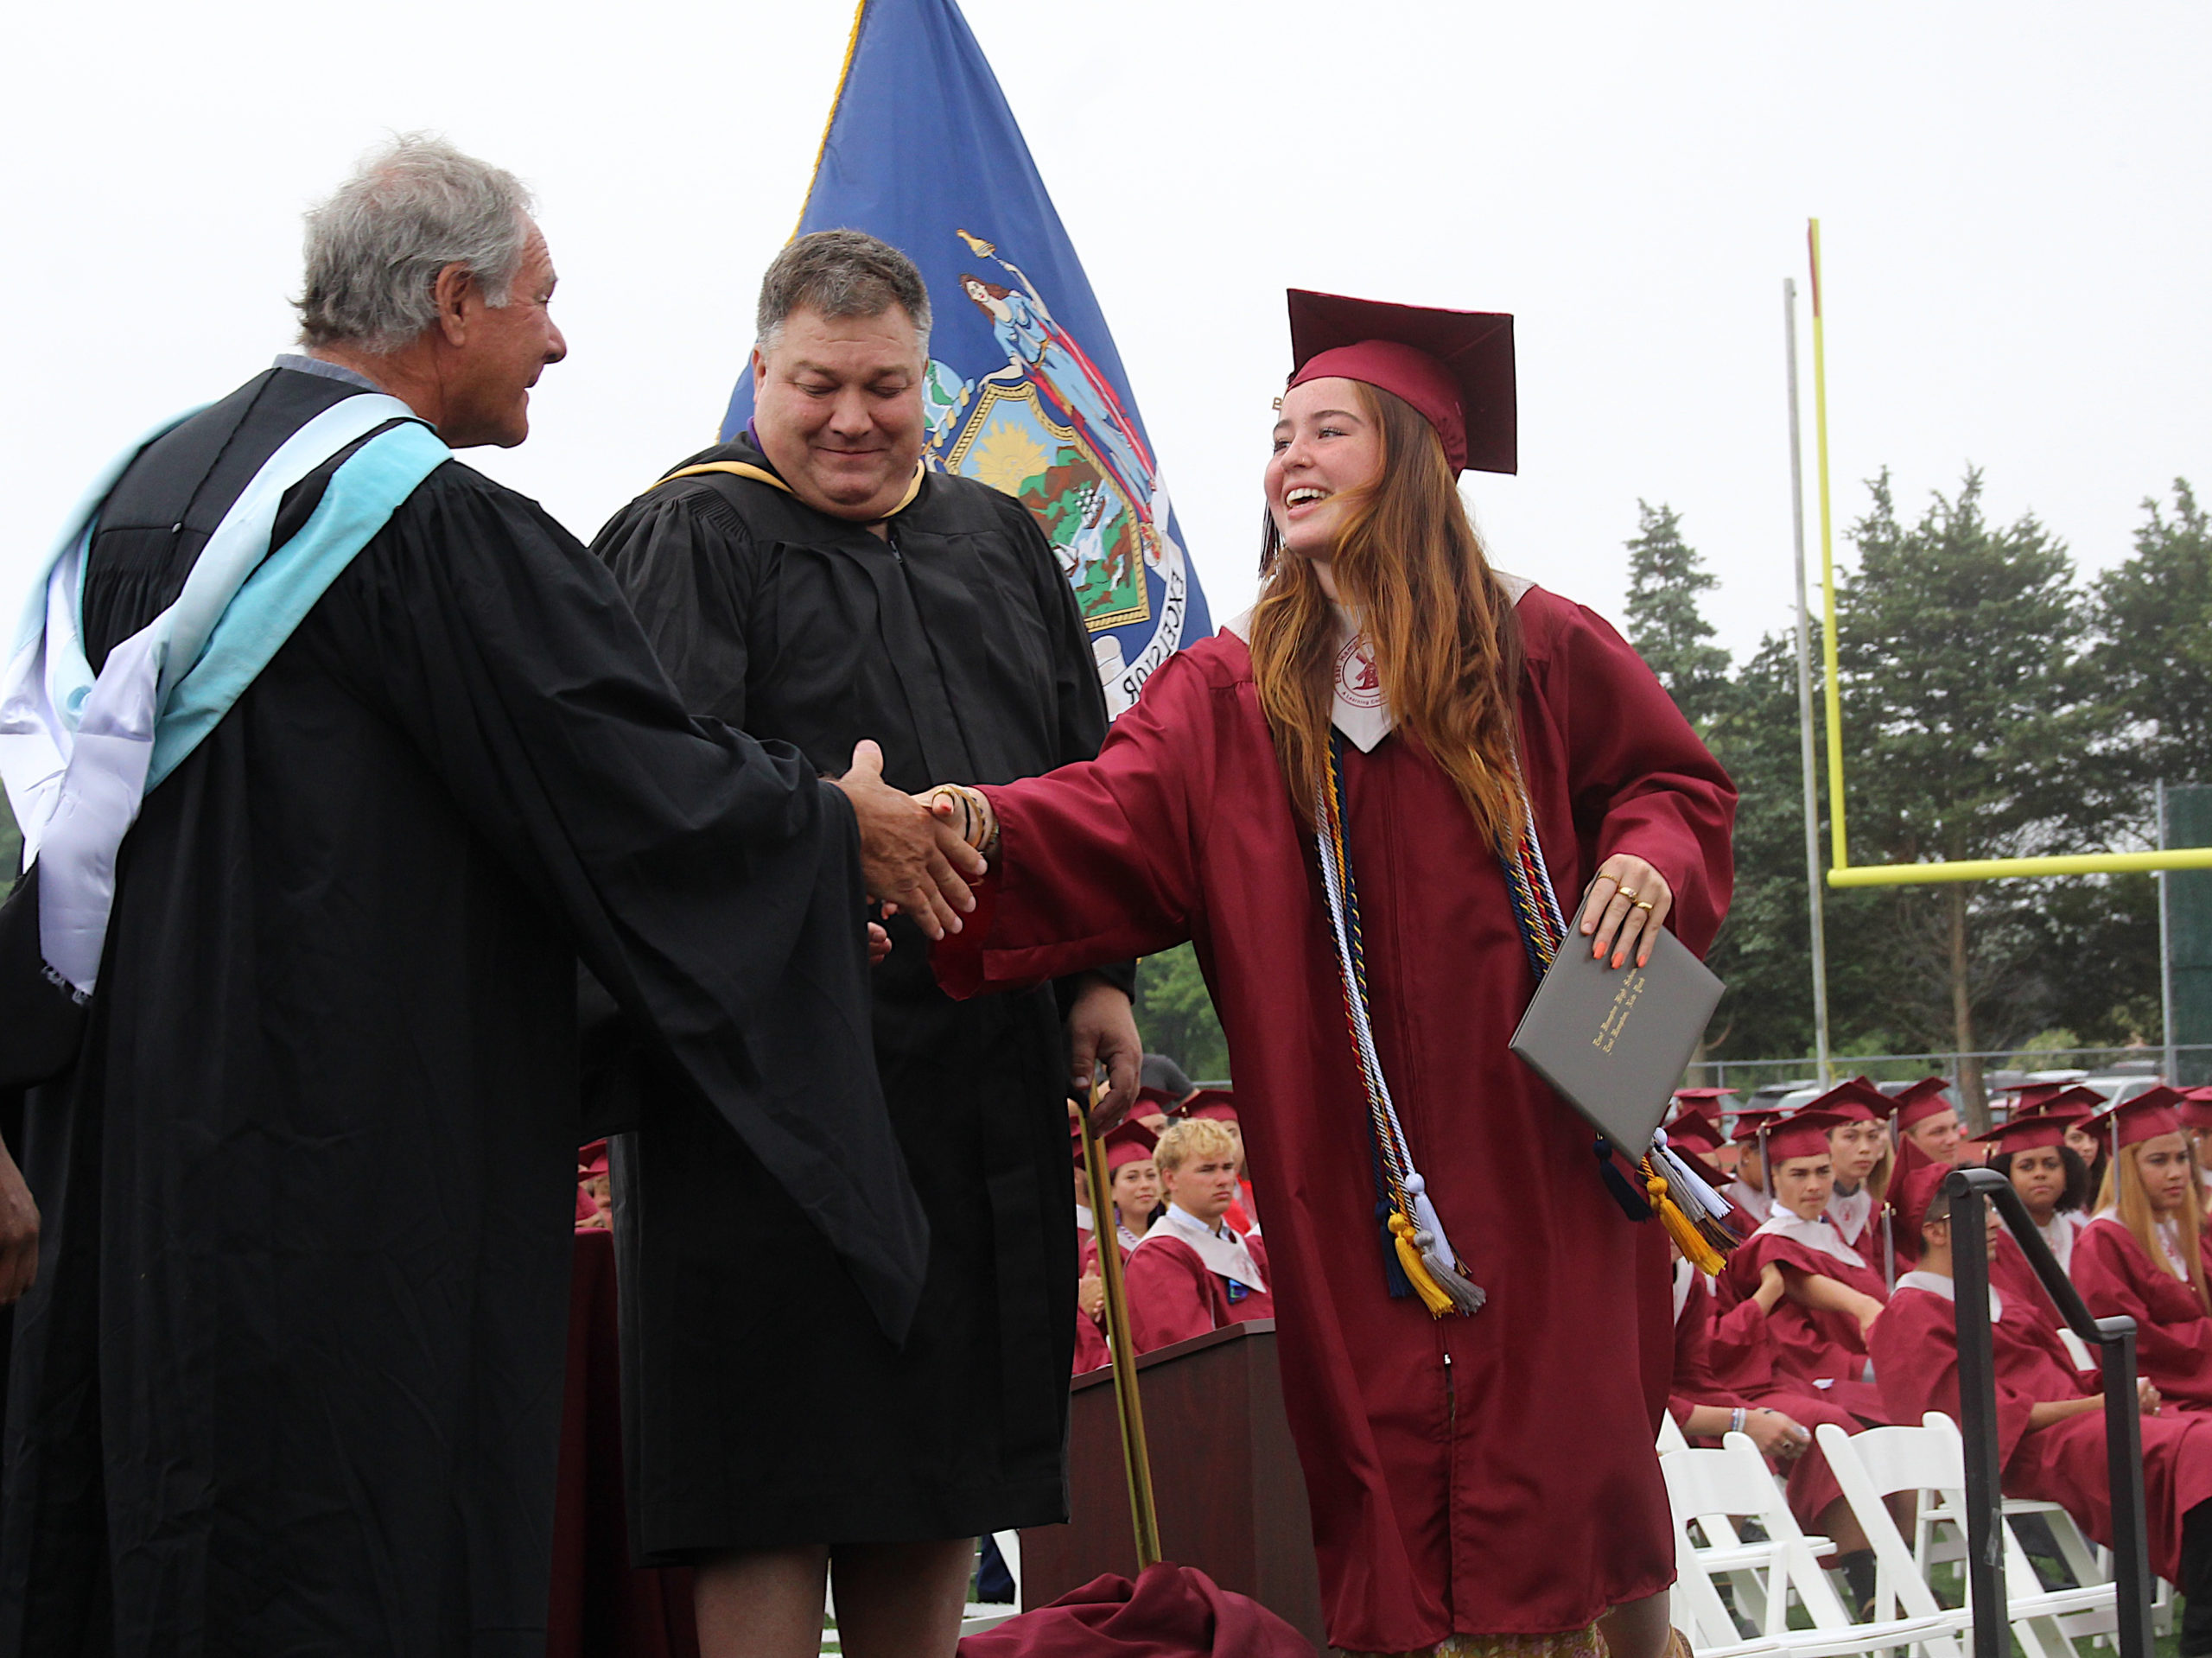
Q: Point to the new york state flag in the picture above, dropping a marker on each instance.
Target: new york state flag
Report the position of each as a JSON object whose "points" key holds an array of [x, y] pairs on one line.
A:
{"points": [[1024, 390]]}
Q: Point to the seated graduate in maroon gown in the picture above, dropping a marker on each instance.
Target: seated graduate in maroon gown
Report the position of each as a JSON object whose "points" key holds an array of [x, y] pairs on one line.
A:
{"points": [[1467, 745], [1219, 1105], [2050, 1424], [1866, 1167], [1134, 1182], [1779, 1421], [1192, 1271], [1818, 1293], [1747, 1189], [1927, 1117], [2053, 1184], [2140, 1253]]}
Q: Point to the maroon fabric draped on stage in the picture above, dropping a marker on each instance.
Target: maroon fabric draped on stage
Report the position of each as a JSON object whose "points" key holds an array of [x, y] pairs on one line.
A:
{"points": [[602, 1606]]}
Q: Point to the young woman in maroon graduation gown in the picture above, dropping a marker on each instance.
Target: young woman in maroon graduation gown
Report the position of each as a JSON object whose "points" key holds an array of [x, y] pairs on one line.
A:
{"points": [[2140, 1254], [1483, 1475], [1134, 1181], [2030, 1151], [2050, 1426]]}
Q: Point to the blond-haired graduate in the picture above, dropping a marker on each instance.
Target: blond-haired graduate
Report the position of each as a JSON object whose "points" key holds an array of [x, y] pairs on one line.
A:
{"points": [[1192, 1271], [2140, 1254]]}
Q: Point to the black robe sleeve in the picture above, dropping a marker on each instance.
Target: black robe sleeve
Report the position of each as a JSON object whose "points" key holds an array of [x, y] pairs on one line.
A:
{"points": [[711, 883]]}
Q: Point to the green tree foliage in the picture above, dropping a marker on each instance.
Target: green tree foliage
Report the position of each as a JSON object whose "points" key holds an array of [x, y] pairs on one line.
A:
{"points": [[1967, 730], [1763, 951], [1666, 623], [1175, 1016], [2152, 659]]}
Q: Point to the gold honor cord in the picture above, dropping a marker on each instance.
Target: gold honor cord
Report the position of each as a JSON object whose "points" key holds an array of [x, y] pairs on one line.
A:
{"points": [[762, 475], [1844, 873], [1136, 1458]]}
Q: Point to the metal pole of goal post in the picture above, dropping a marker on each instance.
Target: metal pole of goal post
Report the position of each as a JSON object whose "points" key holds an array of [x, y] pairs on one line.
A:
{"points": [[1814, 890], [1984, 1562]]}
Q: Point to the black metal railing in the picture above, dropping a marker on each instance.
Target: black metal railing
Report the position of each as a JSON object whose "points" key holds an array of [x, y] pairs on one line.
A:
{"points": [[2114, 1340]]}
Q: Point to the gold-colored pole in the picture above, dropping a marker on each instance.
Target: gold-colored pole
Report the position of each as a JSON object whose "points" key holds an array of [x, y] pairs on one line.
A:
{"points": [[1834, 699], [1135, 1460]]}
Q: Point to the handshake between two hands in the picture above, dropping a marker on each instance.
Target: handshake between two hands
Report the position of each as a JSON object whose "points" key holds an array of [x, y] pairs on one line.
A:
{"points": [[917, 852], [918, 855]]}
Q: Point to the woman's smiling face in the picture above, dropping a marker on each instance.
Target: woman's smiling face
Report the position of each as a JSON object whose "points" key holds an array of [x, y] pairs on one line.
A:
{"points": [[1326, 445]]}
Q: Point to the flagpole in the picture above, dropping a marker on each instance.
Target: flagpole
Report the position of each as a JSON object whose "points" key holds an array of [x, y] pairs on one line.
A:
{"points": [[1805, 699], [1833, 697]]}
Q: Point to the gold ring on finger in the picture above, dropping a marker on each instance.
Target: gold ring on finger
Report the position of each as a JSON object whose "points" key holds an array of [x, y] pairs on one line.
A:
{"points": [[1628, 892], [1643, 904]]}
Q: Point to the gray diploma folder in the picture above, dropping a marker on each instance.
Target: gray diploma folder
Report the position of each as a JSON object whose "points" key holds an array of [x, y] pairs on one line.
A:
{"points": [[1614, 1043]]}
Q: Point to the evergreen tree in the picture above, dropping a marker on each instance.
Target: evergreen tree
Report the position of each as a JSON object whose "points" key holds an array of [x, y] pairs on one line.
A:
{"points": [[1967, 731], [1763, 951], [2153, 656], [1665, 623]]}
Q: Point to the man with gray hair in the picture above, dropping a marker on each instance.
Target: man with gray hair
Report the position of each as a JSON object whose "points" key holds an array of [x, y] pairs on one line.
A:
{"points": [[811, 580], [290, 1378]]}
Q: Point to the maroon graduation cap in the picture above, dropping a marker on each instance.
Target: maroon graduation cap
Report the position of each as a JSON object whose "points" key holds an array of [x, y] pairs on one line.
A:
{"points": [[1454, 367]]}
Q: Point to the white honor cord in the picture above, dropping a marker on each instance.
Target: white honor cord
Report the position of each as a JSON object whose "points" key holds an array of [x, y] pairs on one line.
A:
{"points": [[1425, 1215]]}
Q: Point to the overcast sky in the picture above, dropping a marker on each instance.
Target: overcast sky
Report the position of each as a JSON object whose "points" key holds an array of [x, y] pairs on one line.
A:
{"points": [[2013, 204]]}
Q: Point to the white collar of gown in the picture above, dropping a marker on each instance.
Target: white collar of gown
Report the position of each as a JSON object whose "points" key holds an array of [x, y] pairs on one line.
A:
{"points": [[1813, 1234], [1224, 1253]]}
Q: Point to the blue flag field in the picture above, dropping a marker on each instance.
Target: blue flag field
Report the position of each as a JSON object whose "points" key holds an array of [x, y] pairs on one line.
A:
{"points": [[1025, 389]]}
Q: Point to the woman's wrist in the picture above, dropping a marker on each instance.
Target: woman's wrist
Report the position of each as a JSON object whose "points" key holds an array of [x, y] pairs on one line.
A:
{"points": [[1736, 1420], [979, 824]]}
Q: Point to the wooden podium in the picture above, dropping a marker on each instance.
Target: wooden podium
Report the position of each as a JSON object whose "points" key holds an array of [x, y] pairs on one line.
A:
{"points": [[1226, 1478]]}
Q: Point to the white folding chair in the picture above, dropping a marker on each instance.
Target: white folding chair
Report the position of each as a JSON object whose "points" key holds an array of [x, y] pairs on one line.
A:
{"points": [[1931, 1460], [1715, 1488]]}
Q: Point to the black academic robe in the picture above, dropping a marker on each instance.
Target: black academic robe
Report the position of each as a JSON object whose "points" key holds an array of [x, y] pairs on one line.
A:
{"points": [[955, 642], [291, 1379]]}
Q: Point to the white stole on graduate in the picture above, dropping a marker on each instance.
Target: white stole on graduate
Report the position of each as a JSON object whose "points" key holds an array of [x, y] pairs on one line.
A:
{"points": [[1850, 1213], [2169, 1240], [1685, 1275], [1359, 710], [1936, 1284], [1749, 1198], [78, 753], [2065, 1226], [1224, 1253], [1817, 1236]]}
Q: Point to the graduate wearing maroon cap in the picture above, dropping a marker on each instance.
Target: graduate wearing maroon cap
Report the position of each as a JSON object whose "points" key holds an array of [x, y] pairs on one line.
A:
{"points": [[1927, 1119], [1863, 1163], [1819, 1293], [2050, 1428], [1470, 1474], [1748, 1190], [2140, 1253], [2052, 1182]]}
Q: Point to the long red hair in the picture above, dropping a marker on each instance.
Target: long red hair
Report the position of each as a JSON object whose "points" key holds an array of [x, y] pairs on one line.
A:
{"points": [[1439, 620]]}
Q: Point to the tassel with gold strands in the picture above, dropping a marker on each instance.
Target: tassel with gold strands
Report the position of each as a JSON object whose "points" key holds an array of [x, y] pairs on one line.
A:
{"points": [[1691, 1242]]}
